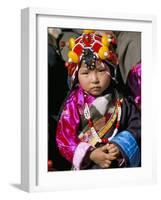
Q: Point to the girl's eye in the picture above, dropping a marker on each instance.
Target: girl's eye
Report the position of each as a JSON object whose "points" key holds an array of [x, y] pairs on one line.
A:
{"points": [[84, 73], [101, 70]]}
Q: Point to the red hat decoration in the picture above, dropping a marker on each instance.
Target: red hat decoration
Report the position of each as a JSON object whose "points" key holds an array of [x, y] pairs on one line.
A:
{"points": [[100, 46]]}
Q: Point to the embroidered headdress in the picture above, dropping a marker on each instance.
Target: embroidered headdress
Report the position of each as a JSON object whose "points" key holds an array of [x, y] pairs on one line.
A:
{"points": [[88, 48]]}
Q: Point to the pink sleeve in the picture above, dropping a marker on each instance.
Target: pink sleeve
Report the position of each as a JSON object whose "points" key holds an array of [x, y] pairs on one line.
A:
{"points": [[67, 130], [67, 133]]}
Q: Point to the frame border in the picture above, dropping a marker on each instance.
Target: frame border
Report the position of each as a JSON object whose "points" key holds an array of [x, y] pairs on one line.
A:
{"points": [[29, 110]]}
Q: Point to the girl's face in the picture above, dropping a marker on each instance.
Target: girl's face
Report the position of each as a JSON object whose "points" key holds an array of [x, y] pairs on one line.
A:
{"points": [[95, 81]]}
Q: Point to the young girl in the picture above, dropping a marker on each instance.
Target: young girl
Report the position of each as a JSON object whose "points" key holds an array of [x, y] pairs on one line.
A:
{"points": [[97, 128]]}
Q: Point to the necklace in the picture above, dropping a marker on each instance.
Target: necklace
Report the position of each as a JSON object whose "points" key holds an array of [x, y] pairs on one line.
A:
{"points": [[97, 137]]}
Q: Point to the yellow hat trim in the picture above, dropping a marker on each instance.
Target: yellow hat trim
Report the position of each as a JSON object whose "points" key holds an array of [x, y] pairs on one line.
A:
{"points": [[71, 43], [102, 52], [73, 56], [88, 31], [105, 41]]}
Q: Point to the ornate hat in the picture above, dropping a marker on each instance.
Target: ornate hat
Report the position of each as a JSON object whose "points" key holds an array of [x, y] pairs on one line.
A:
{"points": [[88, 48]]}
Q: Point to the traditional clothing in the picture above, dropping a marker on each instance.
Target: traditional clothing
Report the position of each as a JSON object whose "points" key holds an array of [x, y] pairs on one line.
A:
{"points": [[87, 121], [74, 137]]}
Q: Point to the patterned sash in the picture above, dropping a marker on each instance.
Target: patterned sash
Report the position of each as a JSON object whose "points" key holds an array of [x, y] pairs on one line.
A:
{"points": [[103, 124]]}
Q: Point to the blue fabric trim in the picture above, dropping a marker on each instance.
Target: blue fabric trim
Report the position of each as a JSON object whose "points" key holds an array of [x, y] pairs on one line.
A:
{"points": [[129, 146]]}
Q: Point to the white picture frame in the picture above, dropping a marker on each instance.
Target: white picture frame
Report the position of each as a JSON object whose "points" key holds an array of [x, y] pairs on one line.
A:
{"points": [[34, 173]]}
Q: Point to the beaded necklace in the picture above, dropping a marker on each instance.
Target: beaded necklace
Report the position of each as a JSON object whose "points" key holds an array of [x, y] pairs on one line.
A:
{"points": [[97, 137]]}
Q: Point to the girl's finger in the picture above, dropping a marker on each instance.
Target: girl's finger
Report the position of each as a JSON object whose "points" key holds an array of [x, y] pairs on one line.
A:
{"points": [[110, 157], [113, 149], [106, 164]]}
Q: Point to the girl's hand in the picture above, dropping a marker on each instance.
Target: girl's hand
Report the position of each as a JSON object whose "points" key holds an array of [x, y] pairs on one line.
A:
{"points": [[113, 150], [101, 156]]}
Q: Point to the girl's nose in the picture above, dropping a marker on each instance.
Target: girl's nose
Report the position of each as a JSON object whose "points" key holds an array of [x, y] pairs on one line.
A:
{"points": [[94, 77]]}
